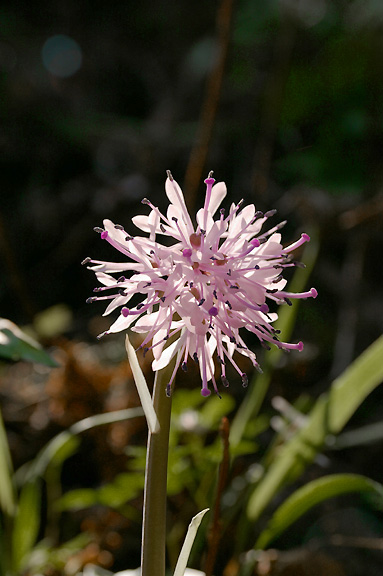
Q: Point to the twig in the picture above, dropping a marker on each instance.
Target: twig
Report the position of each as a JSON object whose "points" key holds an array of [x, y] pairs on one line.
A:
{"points": [[215, 529], [363, 213], [200, 149]]}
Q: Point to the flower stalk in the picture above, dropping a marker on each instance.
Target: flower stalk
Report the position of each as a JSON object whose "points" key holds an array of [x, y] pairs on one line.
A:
{"points": [[153, 549]]}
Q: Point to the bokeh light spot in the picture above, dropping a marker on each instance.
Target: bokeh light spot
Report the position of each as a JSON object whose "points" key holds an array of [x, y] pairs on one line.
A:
{"points": [[61, 56]]}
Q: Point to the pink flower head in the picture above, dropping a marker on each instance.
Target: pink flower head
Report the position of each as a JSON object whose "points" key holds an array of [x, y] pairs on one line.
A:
{"points": [[215, 279]]}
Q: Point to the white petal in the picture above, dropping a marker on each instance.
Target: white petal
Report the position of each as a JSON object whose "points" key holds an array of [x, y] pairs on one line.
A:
{"points": [[146, 322], [166, 356], [122, 323], [115, 233], [209, 351], [241, 220], [176, 197], [142, 222], [204, 219], [215, 232], [114, 267], [218, 193], [149, 223], [105, 279], [116, 303]]}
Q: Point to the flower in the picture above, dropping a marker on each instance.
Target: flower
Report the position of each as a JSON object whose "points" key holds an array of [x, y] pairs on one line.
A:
{"points": [[199, 292]]}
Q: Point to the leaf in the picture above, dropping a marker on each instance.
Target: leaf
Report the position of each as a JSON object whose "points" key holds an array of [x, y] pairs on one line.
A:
{"points": [[77, 499], [213, 410], [27, 523], [142, 389], [188, 543], [15, 345], [65, 443], [53, 321], [328, 416], [7, 490], [310, 495]]}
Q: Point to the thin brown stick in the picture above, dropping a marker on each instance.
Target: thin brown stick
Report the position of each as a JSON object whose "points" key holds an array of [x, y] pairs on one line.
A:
{"points": [[215, 528], [198, 155]]}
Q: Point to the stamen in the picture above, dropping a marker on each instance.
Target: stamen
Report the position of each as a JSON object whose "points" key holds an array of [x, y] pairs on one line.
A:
{"points": [[304, 238], [225, 381]]}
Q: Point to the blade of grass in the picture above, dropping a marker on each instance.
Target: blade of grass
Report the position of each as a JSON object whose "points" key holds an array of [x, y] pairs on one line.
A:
{"points": [[188, 543], [142, 389], [66, 442], [26, 524], [7, 489], [310, 495]]}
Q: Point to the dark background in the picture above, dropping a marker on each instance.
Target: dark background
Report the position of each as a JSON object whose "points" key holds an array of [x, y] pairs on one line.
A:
{"points": [[87, 132], [282, 99]]}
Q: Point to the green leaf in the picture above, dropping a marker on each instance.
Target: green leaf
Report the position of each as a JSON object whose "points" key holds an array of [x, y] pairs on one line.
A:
{"points": [[213, 410], [65, 443], [328, 416], [15, 345], [58, 448], [53, 321], [310, 495], [7, 490], [77, 499], [27, 523], [124, 487]]}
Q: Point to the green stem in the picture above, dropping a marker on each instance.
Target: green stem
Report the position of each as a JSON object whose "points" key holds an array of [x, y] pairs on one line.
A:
{"points": [[154, 517]]}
